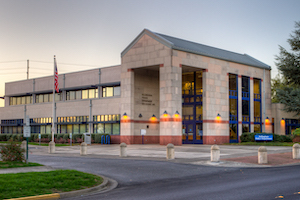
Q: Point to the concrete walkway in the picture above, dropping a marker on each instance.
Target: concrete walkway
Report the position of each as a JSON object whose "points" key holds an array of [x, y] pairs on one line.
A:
{"points": [[231, 155]]}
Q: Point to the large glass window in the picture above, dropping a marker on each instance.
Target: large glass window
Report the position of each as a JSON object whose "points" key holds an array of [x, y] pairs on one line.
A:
{"points": [[257, 105], [246, 104], [82, 94], [233, 107], [111, 91], [188, 83], [20, 100]]}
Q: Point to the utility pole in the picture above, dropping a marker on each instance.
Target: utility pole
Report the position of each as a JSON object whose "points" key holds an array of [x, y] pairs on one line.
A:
{"points": [[27, 69]]}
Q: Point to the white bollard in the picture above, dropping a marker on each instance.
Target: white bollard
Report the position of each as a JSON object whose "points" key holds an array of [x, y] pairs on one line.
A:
{"points": [[215, 153], [51, 147], [296, 151], [23, 145], [83, 149], [262, 155], [123, 149], [170, 151]]}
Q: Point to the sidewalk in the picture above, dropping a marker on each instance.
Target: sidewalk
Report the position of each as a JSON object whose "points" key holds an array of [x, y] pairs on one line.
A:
{"points": [[231, 155]]}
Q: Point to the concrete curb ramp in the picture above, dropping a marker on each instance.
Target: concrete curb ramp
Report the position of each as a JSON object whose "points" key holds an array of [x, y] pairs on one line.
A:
{"points": [[97, 188]]}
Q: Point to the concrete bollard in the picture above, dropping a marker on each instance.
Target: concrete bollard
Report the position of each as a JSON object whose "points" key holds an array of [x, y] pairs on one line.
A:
{"points": [[215, 153], [51, 147], [296, 151], [262, 155], [123, 150], [83, 149], [170, 151], [23, 145]]}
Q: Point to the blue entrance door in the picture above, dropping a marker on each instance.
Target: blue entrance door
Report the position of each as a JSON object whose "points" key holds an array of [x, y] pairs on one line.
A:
{"points": [[192, 130]]}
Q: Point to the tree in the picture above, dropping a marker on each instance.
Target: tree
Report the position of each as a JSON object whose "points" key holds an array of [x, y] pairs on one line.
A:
{"points": [[288, 64]]}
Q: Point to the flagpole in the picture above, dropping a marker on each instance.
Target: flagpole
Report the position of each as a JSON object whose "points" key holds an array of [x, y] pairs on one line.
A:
{"points": [[53, 100]]}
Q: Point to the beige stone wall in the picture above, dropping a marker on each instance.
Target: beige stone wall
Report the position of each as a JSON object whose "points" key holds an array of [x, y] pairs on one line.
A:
{"points": [[147, 53], [278, 114], [71, 80], [103, 106], [215, 89], [111, 74]]}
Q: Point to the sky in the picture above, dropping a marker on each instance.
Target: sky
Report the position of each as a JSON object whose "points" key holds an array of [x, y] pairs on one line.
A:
{"points": [[86, 34]]}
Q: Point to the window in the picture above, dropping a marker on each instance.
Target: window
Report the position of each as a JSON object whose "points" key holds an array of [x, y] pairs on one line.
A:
{"points": [[233, 107], [82, 94], [111, 91], [257, 105], [245, 104], [20, 100]]}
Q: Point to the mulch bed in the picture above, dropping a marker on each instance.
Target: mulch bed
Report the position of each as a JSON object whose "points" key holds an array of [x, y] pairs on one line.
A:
{"points": [[273, 159]]}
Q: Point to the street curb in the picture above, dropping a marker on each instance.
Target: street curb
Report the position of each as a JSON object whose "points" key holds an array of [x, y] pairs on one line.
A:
{"points": [[97, 188]]}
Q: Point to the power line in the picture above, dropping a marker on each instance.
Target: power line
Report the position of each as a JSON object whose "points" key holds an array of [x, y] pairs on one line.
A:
{"points": [[13, 68], [13, 61], [64, 63]]}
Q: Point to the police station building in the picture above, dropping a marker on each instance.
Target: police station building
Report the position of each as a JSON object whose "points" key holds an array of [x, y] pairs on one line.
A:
{"points": [[176, 91]]}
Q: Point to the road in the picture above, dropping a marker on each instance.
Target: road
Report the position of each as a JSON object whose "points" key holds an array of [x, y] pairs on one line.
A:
{"points": [[143, 179]]}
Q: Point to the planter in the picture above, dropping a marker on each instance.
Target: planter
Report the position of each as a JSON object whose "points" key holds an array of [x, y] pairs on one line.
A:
{"points": [[296, 139]]}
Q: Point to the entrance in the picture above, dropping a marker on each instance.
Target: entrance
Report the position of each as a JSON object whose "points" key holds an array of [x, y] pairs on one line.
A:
{"points": [[192, 124]]}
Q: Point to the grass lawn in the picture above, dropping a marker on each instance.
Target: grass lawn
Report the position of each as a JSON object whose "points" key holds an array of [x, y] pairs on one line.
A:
{"points": [[4, 165], [42, 144], [263, 143], [39, 183]]}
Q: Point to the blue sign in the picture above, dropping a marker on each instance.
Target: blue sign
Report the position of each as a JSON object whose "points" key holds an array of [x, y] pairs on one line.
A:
{"points": [[264, 137]]}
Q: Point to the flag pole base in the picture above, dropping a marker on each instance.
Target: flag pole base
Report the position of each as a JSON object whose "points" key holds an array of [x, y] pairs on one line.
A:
{"points": [[51, 147]]}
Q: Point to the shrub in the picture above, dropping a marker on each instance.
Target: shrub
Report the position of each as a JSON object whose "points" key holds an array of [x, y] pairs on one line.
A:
{"points": [[61, 140], [8, 136], [247, 137], [97, 138], [77, 137], [296, 132], [12, 152], [2, 137], [66, 136]]}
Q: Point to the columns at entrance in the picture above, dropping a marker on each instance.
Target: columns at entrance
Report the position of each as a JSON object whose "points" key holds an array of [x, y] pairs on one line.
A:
{"points": [[170, 78], [215, 101], [127, 106], [240, 108], [251, 105]]}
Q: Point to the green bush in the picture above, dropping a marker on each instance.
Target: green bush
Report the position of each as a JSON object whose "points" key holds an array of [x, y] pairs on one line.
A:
{"points": [[247, 137], [12, 152], [8, 136], [66, 137], [296, 132], [77, 137], [2, 137], [97, 138], [250, 137]]}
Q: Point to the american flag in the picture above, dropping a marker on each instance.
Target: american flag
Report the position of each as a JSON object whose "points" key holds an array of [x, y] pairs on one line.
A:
{"points": [[55, 77]]}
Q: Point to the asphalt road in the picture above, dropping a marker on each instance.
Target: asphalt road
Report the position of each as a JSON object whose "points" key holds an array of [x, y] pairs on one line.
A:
{"points": [[141, 179]]}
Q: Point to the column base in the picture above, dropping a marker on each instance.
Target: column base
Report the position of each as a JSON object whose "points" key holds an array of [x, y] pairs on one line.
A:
{"points": [[138, 139], [215, 139], [176, 140]]}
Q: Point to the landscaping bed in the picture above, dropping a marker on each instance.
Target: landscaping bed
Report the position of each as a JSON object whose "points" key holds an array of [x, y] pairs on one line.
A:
{"points": [[39, 183]]}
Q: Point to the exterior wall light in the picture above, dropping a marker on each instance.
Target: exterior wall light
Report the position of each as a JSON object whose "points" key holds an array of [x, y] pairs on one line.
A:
{"points": [[218, 117], [125, 116], [176, 115], [165, 114], [282, 122], [153, 118], [140, 115], [267, 120]]}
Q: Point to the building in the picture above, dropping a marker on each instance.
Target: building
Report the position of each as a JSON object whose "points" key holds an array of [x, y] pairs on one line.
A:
{"points": [[176, 91]]}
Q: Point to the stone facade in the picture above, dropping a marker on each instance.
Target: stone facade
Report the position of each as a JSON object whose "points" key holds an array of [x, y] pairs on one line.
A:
{"points": [[150, 76]]}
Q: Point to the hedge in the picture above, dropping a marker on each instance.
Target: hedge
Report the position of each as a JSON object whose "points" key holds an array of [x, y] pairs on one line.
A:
{"points": [[250, 137], [58, 138]]}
